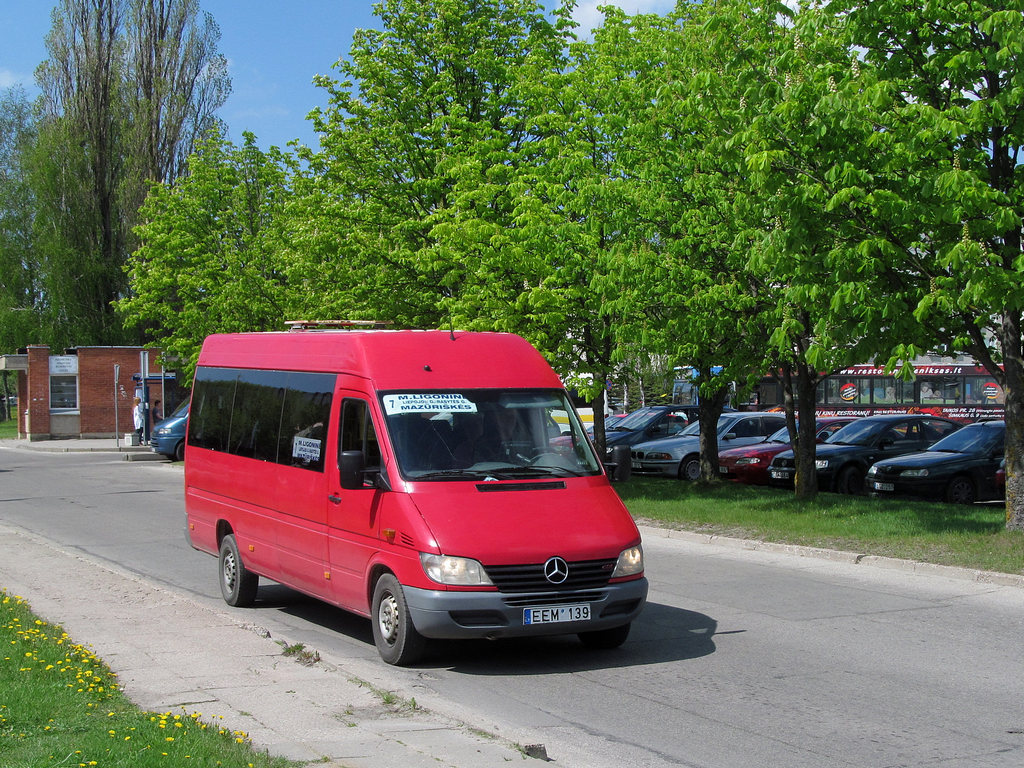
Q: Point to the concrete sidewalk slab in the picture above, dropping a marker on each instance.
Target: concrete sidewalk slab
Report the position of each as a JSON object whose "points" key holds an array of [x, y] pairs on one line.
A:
{"points": [[172, 654]]}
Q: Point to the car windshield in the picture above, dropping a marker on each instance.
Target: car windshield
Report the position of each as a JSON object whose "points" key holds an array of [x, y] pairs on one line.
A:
{"points": [[860, 432], [781, 436], [693, 428], [638, 419], [487, 434], [974, 438], [181, 410]]}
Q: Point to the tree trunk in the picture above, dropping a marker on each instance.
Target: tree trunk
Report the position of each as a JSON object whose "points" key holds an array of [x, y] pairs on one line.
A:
{"points": [[709, 410], [1013, 389], [806, 481]]}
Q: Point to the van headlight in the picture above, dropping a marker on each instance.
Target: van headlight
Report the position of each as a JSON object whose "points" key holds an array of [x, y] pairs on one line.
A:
{"points": [[454, 571], [630, 562]]}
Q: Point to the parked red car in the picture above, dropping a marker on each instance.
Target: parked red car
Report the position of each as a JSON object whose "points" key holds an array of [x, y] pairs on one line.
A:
{"points": [[749, 463]]}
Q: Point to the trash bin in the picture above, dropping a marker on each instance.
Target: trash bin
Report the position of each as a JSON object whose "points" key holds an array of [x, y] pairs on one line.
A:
{"points": [[130, 438]]}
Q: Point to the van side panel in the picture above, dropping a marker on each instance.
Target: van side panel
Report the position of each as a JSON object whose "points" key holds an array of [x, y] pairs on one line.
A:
{"points": [[220, 488]]}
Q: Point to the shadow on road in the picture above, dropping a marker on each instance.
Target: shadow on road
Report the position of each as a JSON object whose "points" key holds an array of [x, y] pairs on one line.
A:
{"points": [[661, 633]]}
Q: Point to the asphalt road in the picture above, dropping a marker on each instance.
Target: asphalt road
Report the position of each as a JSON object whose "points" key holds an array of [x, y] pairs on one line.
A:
{"points": [[742, 658]]}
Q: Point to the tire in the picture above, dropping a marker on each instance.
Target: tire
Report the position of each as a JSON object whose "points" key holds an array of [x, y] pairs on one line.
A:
{"points": [[605, 639], [850, 481], [689, 468], [396, 638], [179, 451], [238, 584], [961, 491]]}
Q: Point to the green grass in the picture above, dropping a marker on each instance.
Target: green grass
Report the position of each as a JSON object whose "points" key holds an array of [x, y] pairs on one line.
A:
{"points": [[9, 429], [62, 706], [968, 536]]}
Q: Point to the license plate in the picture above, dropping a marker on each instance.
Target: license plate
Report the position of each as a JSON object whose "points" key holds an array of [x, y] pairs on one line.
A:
{"points": [[636, 465], [780, 474], [723, 470], [884, 486], [554, 614]]}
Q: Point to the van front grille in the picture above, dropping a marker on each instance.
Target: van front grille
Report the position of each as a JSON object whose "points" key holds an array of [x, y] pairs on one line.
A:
{"points": [[584, 574]]}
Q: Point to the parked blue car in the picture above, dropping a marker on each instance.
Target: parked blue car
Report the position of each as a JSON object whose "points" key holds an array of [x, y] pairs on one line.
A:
{"points": [[168, 435]]}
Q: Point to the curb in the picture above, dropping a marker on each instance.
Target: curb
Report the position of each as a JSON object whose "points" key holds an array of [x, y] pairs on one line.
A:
{"points": [[839, 556]]}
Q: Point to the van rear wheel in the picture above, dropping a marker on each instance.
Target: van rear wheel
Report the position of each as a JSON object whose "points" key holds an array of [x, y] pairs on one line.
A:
{"points": [[396, 638], [238, 584], [605, 639]]}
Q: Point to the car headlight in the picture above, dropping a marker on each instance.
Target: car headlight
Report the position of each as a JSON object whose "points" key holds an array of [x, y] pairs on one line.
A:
{"points": [[630, 562], [454, 571], [163, 431], [914, 473], [821, 463], [873, 470], [658, 455], [747, 461]]}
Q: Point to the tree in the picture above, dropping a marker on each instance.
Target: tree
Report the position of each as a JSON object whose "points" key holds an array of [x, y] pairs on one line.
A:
{"points": [[936, 204], [551, 269], [425, 113], [210, 256], [694, 212], [125, 88], [20, 290]]}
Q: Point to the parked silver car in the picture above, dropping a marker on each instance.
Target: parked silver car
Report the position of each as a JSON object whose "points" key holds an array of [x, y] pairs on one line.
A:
{"points": [[679, 456]]}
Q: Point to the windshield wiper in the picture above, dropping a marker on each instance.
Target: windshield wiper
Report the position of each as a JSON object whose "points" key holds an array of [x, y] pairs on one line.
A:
{"points": [[465, 474], [547, 469]]}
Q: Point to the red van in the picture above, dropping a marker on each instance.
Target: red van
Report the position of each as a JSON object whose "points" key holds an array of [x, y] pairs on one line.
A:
{"points": [[413, 477]]}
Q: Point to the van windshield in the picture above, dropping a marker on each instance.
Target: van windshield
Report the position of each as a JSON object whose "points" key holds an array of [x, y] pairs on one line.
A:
{"points": [[486, 434]]}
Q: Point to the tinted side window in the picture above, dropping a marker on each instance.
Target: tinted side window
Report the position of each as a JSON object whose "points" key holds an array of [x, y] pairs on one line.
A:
{"points": [[274, 416], [259, 396], [747, 427], [933, 430], [307, 411], [209, 423]]}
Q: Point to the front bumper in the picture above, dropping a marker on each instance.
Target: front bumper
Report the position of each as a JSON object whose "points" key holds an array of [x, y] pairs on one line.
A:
{"points": [[452, 615]]}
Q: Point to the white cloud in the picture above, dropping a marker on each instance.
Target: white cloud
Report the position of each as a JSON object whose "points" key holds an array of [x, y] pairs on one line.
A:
{"points": [[588, 17], [8, 78]]}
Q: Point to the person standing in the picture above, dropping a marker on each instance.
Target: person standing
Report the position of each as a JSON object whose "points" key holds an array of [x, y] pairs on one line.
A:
{"points": [[138, 417]]}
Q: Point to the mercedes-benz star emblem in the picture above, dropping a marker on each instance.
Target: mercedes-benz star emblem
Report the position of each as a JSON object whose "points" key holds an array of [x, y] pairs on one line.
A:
{"points": [[556, 570]]}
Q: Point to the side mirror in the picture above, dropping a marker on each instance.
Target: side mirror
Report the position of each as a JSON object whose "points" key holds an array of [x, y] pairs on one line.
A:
{"points": [[729, 436], [620, 468], [352, 465]]}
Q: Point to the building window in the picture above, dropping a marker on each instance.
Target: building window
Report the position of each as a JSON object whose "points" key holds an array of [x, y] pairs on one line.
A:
{"points": [[63, 393]]}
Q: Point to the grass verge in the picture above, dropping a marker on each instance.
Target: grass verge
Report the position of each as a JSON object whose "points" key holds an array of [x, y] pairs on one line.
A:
{"points": [[8, 430], [62, 706], [968, 536]]}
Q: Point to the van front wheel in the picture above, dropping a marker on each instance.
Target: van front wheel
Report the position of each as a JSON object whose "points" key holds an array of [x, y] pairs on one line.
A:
{"points": [[238, 584], [396, 638]]}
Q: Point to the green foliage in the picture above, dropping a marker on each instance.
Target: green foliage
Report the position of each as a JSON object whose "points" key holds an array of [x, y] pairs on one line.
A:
{"points": [[126, 88], [211, 256]]}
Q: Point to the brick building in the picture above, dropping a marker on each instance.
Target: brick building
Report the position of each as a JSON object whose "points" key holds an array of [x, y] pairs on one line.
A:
{"points": [[75, 394]]}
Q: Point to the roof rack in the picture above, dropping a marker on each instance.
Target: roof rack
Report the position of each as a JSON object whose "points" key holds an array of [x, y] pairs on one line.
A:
{"points": [[308, 325]]}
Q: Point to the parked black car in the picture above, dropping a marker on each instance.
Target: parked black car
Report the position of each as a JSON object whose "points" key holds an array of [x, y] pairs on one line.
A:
{"points": [[960, 468], [842, 461]]}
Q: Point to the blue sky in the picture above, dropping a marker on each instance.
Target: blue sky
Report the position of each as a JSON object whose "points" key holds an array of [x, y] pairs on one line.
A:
{"points": [[273, 49]]}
